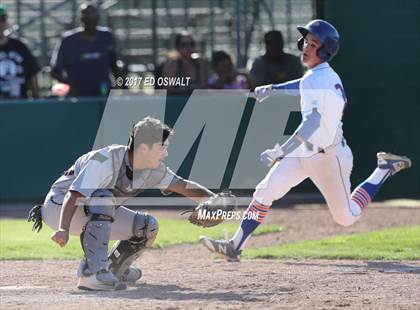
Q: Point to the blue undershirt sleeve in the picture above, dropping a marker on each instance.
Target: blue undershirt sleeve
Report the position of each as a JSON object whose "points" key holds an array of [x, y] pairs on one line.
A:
{"points": [[310, 124], [290, 88]]}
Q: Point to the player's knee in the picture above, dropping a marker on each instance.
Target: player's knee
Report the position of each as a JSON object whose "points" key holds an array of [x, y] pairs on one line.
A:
{"points": [[152, 230], [152, 227], [263, 196], [102, 204], [146, 227], [265, 192]]}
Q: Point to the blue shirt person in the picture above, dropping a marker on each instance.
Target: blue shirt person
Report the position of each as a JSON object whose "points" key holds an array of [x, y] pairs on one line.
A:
{"points": [[85, 57]]}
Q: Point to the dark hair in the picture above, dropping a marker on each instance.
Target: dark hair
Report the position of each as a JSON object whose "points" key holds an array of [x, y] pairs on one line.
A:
{"points": [[149, 131], [218, 56], [276, 34], [180, 36]]}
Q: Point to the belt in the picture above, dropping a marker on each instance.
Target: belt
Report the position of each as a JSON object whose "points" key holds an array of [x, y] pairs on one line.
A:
{"points": [[68, 172]]}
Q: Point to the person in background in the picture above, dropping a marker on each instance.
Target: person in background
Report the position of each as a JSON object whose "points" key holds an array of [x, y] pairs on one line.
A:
{"points": [[226, 76], [18, 67], [85, 56], [187, 64], [275, 66]]}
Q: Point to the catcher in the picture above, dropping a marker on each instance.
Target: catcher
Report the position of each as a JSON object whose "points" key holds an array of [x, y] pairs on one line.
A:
{"points": [[86, 201]]}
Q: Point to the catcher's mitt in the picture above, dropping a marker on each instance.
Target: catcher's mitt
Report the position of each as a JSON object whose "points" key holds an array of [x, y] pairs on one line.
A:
{"points": [[212, 211]]}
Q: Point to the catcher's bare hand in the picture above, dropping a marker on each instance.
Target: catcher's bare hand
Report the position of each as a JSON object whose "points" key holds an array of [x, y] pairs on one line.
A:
{"points": [[61, 237]]}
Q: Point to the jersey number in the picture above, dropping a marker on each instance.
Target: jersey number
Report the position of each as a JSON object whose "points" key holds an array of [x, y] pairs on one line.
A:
{"points": [[343, 94]]}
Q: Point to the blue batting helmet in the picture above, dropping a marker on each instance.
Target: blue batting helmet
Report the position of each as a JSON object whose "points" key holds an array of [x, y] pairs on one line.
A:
{"points": [[326, 33]]}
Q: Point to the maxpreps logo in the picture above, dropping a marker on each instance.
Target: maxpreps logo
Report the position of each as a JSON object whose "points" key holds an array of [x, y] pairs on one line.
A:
{"points": [[226, 215], [219, 134]]}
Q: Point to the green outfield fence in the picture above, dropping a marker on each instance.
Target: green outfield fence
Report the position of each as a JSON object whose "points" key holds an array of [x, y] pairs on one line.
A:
{"points": [[40, 139], [378, 63]]}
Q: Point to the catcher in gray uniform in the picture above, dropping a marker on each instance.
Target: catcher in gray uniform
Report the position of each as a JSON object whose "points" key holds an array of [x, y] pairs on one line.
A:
{"points": [[86, 200]]}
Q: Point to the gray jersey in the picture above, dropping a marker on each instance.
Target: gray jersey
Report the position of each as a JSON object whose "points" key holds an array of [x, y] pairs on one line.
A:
{"points": [[109, 168]]}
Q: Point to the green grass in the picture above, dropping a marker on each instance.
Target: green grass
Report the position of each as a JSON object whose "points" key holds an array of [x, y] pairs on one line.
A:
{"points": [[392, 244], [17, 241]]}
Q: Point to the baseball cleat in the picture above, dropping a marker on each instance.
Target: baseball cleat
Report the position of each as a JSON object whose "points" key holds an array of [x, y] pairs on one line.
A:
{"points": [[393, 162], [224, 248], [131, 275], [101, 281]]}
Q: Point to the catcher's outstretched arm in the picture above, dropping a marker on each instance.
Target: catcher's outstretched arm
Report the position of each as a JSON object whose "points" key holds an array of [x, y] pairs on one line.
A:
{"points": [[191, 189]]}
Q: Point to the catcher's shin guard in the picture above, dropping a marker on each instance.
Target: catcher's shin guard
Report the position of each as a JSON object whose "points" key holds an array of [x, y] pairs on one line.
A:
{"points": [[97, 231], [95, 239], [125, 252]]}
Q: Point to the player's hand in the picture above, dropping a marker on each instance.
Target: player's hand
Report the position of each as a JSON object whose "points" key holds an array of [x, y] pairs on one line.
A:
{"points": [[61, 237], [271, 156], [263, 92]]}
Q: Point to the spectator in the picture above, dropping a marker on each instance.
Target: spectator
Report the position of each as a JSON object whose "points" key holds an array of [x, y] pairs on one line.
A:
{"points": [[85, 56], [275, 66], [171, 55], [18, 67], [226, 77], [186, 64]]}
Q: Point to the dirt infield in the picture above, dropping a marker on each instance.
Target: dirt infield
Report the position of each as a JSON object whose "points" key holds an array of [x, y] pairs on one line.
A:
{"points": [[187, 277]]}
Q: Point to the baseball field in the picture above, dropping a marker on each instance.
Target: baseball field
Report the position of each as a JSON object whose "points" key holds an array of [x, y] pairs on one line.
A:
{"points": [[299, 259]]}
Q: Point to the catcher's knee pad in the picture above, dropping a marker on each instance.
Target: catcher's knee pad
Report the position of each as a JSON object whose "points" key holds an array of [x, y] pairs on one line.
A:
{"points": [[145, 227], [125, 252], [95, 236]]}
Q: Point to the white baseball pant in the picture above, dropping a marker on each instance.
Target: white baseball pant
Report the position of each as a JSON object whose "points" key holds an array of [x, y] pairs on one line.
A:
{"points": [[329, 171], [121, 228]]}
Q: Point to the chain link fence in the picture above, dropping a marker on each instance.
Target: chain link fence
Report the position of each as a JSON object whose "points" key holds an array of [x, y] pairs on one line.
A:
{"points": [[145, 28]]}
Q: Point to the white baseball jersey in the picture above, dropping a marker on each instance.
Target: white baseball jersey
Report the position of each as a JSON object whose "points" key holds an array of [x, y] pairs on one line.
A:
{"points": [[109, 168], [321, 88], [329, 170]]}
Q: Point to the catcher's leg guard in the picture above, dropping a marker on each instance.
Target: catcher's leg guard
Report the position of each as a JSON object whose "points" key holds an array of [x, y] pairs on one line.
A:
{"points": [[96, 234], [125, 252]]}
